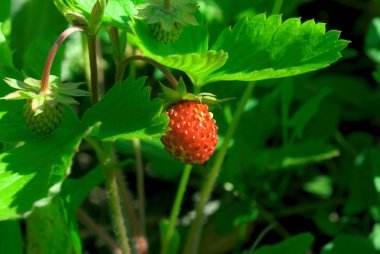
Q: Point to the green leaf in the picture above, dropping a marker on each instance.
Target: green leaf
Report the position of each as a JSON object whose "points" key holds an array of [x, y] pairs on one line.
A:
{"points": [[5, 10], [48, 229], [362, 188], [126, 111], [33, 18], [298, 244], [349, 244], [11, 237], [173, 245], [117, 12], [264, 48], [32, 173], [309, 151], [372, 38], [6, 54], [305, 113]]}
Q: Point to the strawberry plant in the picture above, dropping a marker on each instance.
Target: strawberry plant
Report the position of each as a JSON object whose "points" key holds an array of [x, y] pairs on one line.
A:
{"points": [[188, 126]]}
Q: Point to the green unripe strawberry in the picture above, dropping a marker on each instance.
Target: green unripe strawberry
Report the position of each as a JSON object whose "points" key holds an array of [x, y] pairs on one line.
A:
{"points": [[45, 122], [43, 111], [166, 20], [166, 36]]}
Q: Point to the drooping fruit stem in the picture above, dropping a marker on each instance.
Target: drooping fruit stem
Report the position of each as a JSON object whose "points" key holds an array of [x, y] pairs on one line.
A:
{"points": [[172, 80], [51, 56], [176, 208], [193, 237]]}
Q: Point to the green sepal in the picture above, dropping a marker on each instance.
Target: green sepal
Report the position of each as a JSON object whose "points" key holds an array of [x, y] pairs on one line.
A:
{"points": [[172, 96]]}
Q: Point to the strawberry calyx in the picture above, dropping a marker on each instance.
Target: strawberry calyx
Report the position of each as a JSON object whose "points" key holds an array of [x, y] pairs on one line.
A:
{"points": [[43, 112], [171, 96]]}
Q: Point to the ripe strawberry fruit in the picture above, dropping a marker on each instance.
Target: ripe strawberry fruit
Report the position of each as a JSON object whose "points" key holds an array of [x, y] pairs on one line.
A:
{"points": [[193, 132], [46, 122], [166, 36]]}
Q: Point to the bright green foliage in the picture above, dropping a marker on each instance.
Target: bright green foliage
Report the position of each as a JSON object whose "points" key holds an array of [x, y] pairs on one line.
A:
{"points": [[298, 244], [50, 222], [127, 112], [32, 173], [5, 51], [265, 47], [258, 48]]}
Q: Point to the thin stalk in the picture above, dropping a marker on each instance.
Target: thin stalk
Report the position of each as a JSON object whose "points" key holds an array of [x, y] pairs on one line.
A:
{"points": [[277, 7], [51, 56], [94, 68], [109, 164], [140, 183], [167, 4], [176, 208], [86, 61], [261, 236], [89, 223], [192, 241], [172, 80]]}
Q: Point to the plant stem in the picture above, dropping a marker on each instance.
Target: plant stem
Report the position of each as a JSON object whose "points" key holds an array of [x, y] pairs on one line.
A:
{"points": [[86, 61], [277, 7], [51, 56], [260, 237], [172, 80], [140, 183], [166, 4], [140, 240], [192, 241], [176, 208], [88, 222], [94, 68], [109, 163]]}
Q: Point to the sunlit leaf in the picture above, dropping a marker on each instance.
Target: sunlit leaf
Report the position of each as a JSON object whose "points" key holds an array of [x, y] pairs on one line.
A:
{"points": [[126, 111]]}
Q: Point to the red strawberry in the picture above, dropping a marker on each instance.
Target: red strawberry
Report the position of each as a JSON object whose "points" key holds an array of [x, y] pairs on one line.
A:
{"points": [[193, 133]]}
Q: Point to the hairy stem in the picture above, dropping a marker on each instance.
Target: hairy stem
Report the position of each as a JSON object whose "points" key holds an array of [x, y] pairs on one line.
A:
{"points": [[192, 240], [109, 163], [94, 68], [51, 56], [172, 80], [176, 208]]}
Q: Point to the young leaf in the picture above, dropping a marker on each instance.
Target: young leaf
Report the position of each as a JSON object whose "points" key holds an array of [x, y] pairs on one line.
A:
{"points": [[126, 111], [264, 48], [294, 245], [32, 173], [117, 12]]}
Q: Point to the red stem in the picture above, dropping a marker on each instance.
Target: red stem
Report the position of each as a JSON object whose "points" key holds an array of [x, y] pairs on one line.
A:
{"points": [[51, 56]]}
